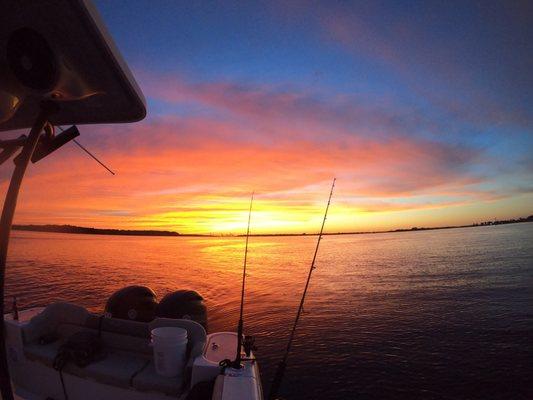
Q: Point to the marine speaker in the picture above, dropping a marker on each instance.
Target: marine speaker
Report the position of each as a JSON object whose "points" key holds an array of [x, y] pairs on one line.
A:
{"points": [[31, 60]]}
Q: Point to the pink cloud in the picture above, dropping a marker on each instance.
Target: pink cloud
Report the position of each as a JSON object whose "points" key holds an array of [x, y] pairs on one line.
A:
{"points": [[283, 109]]}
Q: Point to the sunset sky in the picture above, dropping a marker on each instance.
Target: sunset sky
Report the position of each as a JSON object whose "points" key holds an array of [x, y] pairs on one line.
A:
{"points": [[423, 112]]}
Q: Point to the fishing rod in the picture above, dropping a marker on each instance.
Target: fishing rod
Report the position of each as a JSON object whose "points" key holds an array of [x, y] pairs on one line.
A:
{"points": [[276, 383], [237, 362]]}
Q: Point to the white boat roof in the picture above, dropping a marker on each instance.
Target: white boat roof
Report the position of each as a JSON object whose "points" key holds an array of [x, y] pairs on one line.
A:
{"points": [[91, 82]]}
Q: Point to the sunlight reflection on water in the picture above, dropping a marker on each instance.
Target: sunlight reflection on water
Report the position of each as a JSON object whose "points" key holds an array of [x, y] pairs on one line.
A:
{"points": [[433, 314]]}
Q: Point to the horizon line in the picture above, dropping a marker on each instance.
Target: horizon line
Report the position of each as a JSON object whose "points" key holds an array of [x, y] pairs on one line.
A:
{"points": [[74, 229]]}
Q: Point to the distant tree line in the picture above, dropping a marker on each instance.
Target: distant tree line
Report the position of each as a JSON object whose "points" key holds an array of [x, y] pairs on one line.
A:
{"points": [[93, 231], [505, 221]]}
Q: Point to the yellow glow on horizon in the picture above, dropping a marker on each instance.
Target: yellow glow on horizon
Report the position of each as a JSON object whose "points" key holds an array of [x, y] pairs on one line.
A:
{"points": [[230, 216], [232, 219], [268, 217]]}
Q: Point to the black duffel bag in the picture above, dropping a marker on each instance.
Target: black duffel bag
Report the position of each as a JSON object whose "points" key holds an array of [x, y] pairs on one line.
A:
{"points": [[82, 348]]}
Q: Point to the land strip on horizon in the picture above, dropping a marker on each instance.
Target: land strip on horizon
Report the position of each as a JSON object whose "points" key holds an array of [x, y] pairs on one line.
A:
{"points": [[146, 232]]}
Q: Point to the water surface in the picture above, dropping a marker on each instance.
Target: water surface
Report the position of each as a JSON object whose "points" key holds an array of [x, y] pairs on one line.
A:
{"points": [[414, 315]]}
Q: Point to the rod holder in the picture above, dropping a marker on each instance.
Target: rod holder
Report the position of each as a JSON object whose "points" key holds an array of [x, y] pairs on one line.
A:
{"points": [[48, 145]]}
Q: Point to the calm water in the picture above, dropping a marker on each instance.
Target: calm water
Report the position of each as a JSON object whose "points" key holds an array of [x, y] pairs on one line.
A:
{"points": [[433, 315]]}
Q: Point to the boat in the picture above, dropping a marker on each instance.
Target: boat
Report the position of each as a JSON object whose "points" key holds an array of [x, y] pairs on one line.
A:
{"points": [[59, 66], [124, 367]]}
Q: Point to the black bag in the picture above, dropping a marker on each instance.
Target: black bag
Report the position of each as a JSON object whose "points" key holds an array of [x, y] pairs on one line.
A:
{"points": [[82, 348]]}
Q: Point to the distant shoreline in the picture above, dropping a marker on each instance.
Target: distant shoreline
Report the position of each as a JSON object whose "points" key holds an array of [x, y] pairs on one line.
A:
{"points": [[93, 231], [134, 232]]}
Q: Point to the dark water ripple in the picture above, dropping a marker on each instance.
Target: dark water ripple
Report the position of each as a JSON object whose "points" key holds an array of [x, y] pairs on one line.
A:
{"points": [[417, 315]]}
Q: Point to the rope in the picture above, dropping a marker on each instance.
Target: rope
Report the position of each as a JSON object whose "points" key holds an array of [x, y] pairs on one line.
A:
{"points": [[60, 361]]}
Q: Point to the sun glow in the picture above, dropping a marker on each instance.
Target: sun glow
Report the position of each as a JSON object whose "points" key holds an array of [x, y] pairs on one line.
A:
{"points": [[231, 218]]}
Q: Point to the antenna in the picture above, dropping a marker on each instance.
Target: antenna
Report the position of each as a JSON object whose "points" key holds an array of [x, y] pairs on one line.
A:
{"points": [[94, 157], [87, 151], [276, 383], [237, 363]]}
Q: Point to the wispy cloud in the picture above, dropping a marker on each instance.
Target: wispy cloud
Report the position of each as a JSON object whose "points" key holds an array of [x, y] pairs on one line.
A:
{"points": [[468, 72]]}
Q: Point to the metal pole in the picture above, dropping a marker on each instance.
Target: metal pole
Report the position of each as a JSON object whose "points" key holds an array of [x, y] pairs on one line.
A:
{"points": [[10, 204]]}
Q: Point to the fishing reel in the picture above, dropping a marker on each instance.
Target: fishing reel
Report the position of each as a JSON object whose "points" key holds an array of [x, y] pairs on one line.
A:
{"points": [[248, 345]]}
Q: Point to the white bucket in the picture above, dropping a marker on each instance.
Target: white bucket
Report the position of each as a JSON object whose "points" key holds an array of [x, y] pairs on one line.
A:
{"points": [[170, 346]]}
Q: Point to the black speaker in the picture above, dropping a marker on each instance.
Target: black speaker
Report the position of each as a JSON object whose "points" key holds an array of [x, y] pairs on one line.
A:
{"points": [[31, 60]]}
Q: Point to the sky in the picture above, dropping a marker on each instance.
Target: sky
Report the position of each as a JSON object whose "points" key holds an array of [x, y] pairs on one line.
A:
{"points": [[423, 111]]}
